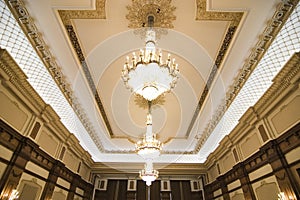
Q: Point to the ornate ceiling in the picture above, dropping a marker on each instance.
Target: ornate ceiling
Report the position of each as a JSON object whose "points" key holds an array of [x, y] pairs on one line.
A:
{"points": [[83, 44]]}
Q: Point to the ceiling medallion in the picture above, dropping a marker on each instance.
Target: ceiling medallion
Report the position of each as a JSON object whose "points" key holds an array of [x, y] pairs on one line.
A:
{"points": [[161, 10]]}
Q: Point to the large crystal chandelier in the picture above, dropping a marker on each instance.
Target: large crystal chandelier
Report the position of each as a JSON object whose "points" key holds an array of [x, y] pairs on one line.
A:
{"points": [[146, 73]]}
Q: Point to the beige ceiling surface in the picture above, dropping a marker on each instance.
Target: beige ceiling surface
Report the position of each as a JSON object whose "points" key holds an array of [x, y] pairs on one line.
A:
{"points": [[210, 41]]}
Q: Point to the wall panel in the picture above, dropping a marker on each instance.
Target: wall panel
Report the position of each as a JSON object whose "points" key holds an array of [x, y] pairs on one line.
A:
{"points": [[11, 112], [286, 115], [47, 142], [250, 145]]}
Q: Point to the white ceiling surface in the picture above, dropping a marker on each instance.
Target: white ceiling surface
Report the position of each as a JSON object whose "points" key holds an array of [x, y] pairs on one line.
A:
{"points": [[106, 42]]}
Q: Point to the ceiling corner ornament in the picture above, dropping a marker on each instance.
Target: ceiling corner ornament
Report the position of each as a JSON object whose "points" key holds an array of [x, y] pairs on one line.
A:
{"points": [[98, 13], [203, 14], [161, 10]]}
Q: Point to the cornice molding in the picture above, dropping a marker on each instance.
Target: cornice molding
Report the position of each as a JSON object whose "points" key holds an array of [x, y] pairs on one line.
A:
{"points": [[15, 76]]}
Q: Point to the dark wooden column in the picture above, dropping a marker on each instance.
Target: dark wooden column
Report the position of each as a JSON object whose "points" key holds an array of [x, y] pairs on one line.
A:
{"points": [[245, 182], [210, 188], [281, 169], [224, 188], [16, 166], [51, 180], [76, 178], [131, 195], [88, 190], [165, 195]]}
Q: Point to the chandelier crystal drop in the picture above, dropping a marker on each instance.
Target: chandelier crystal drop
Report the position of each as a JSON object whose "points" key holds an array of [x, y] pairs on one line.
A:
{"points": [[147, 74]]}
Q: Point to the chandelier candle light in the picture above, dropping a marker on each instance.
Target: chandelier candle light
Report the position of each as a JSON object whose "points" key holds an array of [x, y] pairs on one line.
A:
{"points": [[146, 73]]}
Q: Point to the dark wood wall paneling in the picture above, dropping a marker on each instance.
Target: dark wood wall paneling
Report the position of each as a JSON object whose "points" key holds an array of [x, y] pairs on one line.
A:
{"points": [[26, 150], [273, 153], [180, 190]]}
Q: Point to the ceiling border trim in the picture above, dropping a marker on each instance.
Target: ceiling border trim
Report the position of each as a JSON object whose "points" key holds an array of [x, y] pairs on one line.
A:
{"points": [[74, 40]]}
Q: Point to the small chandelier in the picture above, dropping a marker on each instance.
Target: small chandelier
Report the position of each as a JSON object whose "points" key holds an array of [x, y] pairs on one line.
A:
{"points": [[149, 174], [146, 73], [149, 147]]}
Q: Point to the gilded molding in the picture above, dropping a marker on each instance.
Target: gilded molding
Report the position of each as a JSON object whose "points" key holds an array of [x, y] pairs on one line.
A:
{"points": [[99, 13], [225, 45], [202, 14], [87, 73], [233, 17]]}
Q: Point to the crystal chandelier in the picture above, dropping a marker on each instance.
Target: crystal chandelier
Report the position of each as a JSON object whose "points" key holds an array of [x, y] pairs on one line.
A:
{"points": [[146, 73], [149, 76], [149, 174], [149, 147]]}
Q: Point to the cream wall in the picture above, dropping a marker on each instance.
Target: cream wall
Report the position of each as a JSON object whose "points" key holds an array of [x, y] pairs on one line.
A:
{"points": [[276, 114], [22, 108]]}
